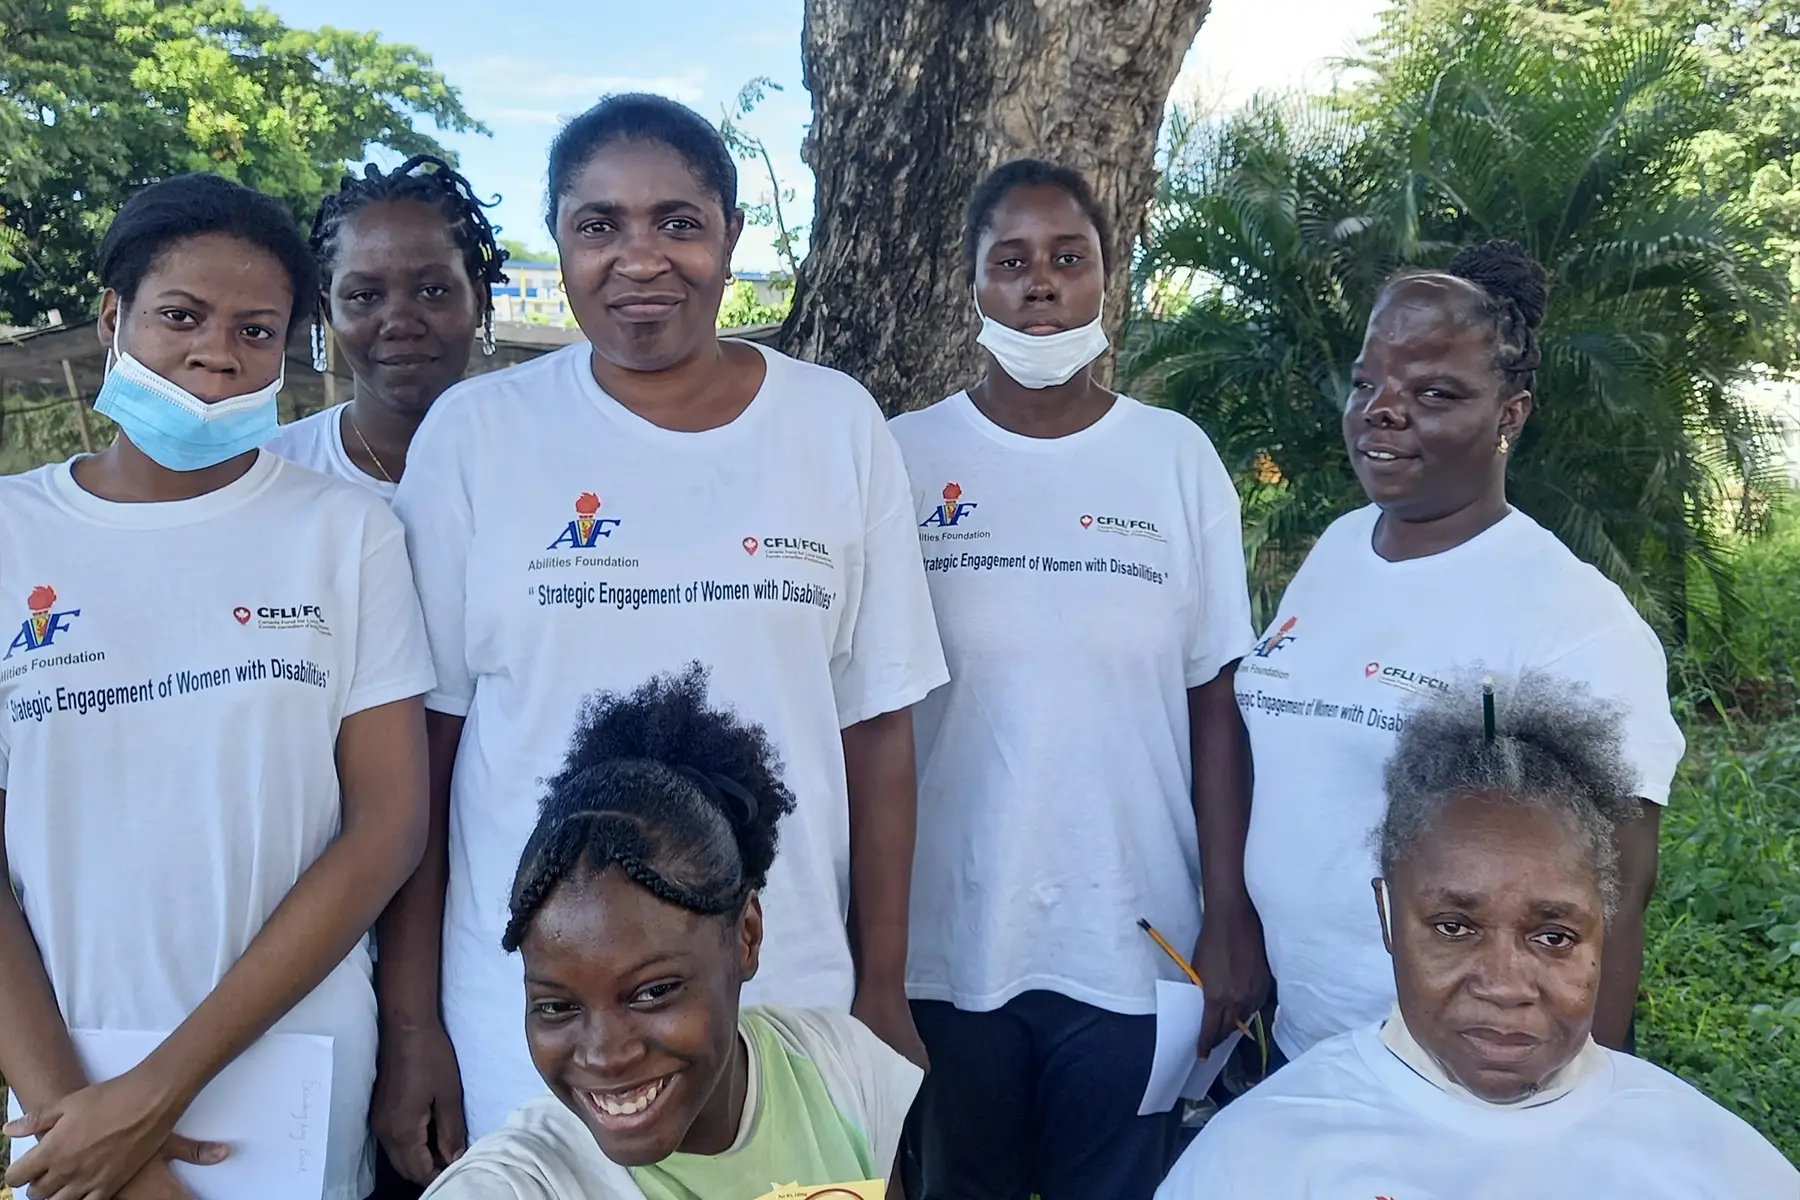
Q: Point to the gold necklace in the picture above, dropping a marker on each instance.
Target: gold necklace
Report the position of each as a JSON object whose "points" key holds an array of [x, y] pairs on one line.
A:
{"points": [[368, 449]]}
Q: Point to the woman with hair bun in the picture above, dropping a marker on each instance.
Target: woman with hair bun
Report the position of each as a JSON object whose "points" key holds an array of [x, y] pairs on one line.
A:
{"points": [[1438, 573], [636, 908]]}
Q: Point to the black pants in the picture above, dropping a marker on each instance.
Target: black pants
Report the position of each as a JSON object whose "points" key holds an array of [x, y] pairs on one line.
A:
{"points": [[1039, 1097], [390, 1184]]}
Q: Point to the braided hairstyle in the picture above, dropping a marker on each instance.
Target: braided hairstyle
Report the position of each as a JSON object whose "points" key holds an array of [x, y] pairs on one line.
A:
{"points": [[1515, 292], [1555, 748], [682, 797], [444, 189]]}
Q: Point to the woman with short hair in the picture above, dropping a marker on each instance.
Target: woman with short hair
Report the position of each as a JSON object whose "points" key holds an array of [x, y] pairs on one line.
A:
{"points": [[651, 495], [1499, 881], [1086, 767], [227, 781]]}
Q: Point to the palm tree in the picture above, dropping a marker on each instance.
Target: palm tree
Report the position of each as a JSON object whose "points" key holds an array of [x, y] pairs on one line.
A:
{"points": [[1640, 456]]}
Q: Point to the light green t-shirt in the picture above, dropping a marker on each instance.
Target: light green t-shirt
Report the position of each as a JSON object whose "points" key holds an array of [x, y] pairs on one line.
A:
{"points": [[825, 1104], [792, 1133]]}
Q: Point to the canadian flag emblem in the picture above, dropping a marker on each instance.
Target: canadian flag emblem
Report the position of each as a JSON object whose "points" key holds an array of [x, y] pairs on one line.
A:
{"points": [[751, 545], [242, 614]]}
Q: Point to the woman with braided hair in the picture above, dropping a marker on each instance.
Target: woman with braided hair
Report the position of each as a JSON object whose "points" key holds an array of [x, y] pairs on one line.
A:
{"points": [[1499, 888], [407, 261], [636, 910], [1438, 573]]}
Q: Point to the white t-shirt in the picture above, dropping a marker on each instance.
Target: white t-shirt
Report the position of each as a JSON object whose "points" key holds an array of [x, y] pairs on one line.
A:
{"points": [[1350, 1121], [1356, 641], [317, 443], [1082, 585], [544, 1152], [176, 678], [564, 545]]}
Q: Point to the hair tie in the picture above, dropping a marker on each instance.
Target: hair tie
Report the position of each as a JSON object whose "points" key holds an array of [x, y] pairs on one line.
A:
{"points": [[1487, 710], [730, 795]]}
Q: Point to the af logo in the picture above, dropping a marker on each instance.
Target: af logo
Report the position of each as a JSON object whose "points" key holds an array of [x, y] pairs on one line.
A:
{"points": [[42, 626], [1277, 639], [952, 510], [587, 527]]}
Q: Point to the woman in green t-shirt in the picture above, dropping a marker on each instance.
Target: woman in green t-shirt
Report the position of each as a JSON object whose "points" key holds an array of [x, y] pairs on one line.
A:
{"points": [[636, 911]]}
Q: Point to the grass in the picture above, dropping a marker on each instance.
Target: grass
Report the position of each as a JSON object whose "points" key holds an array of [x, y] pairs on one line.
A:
{"points": [[1720, 1004]]}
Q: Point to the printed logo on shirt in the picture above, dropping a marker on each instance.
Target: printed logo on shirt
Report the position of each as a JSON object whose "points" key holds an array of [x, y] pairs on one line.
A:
{"points": [[42, 623], [290, 616], [1123, 526], [800, 549], [1417, 683], [952, 511], [1276, 640], [588, 527]]}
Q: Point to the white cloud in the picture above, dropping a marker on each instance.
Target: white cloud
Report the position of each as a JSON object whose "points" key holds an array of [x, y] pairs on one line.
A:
{"points": [[1247, 46]]}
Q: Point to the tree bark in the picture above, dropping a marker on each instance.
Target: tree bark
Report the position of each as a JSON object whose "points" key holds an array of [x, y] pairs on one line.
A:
{"points": [[913, 102]]}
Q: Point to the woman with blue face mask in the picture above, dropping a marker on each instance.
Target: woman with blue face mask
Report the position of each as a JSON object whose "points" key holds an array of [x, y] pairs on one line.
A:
{"points": [[1086, 766], [212, 767]]}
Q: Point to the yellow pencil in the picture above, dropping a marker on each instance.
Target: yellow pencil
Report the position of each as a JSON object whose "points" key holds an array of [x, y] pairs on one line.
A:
{"points": [[1187, 968]]}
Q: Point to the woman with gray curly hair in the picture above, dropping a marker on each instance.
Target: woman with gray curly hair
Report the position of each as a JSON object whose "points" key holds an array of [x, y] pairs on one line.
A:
{"points": [[1499, 878]]}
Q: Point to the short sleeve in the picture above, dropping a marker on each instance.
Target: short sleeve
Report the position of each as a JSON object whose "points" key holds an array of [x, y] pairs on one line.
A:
{"points": [[891, 658], [1222, 630], [392, 659], [867, 1079], [433, 504], [1624, 664], [471, 1180]]}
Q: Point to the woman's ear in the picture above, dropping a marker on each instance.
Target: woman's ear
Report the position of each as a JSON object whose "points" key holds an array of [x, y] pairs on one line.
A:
{"points": [[106, 328], [1514, 412], [749, 937], [1382, 901], [734, 229]]}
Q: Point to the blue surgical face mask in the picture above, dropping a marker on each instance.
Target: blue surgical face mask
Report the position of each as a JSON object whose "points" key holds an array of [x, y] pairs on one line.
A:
{"points": [[176, 428]]}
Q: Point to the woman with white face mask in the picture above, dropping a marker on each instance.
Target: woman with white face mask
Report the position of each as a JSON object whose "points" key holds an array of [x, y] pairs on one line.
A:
{"points": [[1086, 767], [212, 767]]}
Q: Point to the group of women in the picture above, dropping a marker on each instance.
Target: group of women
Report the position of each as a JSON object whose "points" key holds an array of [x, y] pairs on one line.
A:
{"points": [[792, 751]]}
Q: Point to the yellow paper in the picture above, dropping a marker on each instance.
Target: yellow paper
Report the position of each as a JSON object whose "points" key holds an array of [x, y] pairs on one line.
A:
{"points": [[868, 1189]]}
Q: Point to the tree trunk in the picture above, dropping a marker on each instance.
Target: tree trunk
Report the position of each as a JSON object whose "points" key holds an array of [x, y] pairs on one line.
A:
{"points": [[913, 102]]}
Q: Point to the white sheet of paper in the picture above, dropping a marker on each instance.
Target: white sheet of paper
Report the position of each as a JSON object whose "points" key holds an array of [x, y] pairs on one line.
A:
{"points": [[1176, 1072], [273, 1105]]}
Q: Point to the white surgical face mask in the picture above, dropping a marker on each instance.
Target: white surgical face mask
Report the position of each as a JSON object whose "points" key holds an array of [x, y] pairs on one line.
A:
{"points": [[1046, 361]]}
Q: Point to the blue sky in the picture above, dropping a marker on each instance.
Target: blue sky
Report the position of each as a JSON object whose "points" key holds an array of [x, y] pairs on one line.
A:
{"points": [[523, 66]]}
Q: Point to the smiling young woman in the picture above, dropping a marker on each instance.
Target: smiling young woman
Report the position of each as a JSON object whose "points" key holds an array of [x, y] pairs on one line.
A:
{"points": [[1500, 884], [1086, 767], [636, 908], [1437, 574], [606, 513]]}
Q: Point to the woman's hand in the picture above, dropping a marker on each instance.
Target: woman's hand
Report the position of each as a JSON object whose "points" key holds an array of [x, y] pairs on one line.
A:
{"points": [[93, 1142], [418, 1092], [155, 1181], [889, 1017], [1233, 966]]}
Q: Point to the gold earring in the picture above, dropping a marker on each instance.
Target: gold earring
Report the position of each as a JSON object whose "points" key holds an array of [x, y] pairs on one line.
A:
{"points": [[1505, 444]]}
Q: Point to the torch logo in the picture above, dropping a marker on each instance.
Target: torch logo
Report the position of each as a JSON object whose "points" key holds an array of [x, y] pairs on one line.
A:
{"points": [[952, 510], [588, 527], [43, 623]]}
